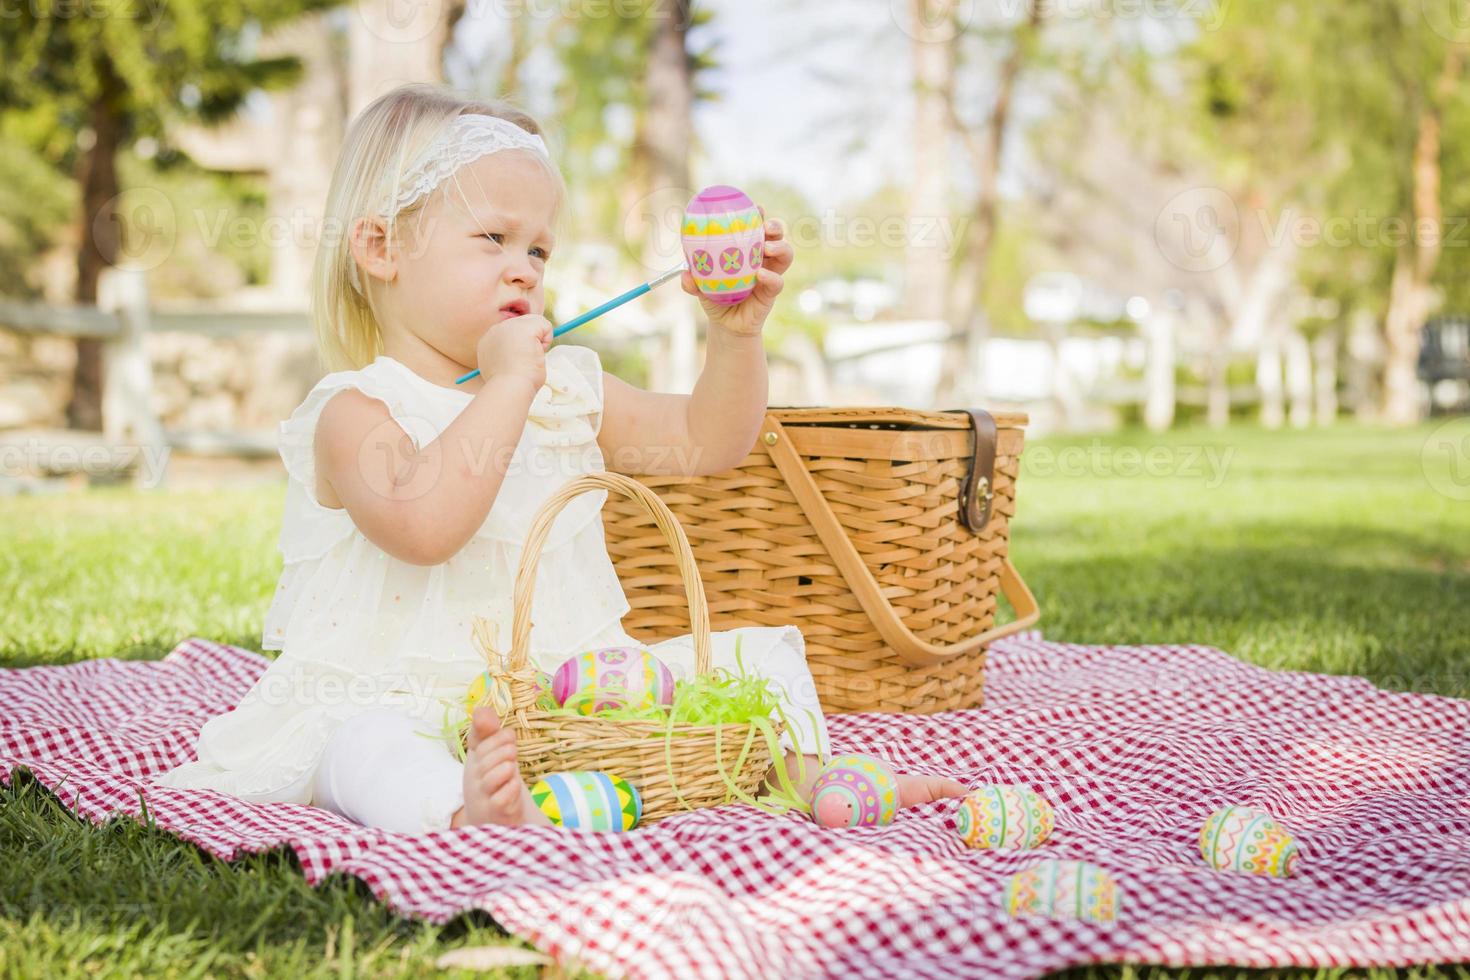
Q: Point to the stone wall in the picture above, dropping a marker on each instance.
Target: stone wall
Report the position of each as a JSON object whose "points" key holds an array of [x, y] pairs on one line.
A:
{"points": [[247, 383]]}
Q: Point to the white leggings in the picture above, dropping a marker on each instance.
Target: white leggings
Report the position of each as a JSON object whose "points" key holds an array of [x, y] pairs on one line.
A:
{"points": [[378, 771]]}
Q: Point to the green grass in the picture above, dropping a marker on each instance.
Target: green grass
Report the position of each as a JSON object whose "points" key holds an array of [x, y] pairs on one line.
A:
{"points": [[1324, 551]]}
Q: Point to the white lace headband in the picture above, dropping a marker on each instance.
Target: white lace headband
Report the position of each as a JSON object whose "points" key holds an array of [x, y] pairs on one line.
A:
{"points": [[464, 140]]}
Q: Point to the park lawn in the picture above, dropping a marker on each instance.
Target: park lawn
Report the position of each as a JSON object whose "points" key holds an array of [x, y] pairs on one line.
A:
{"points": [[1327, 551]]}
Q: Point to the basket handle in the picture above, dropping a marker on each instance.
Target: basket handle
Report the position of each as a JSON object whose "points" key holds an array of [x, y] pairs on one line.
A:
{"points": [[673, 533], [912, 649]]}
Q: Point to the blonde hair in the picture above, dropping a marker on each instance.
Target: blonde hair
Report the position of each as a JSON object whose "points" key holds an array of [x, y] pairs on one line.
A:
{"points": [[379, 146]]}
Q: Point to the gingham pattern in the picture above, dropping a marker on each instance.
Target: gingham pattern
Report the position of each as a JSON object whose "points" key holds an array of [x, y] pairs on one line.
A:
{"points": [[1134, 746]]}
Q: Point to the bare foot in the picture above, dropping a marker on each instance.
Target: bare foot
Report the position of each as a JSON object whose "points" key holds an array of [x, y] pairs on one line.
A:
{"points": [[911, 788], [493, 789], [914, 789]]}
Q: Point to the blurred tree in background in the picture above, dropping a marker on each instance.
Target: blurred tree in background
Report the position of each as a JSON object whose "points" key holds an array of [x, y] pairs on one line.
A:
{"points": [[112, 76], [1353, 122]]}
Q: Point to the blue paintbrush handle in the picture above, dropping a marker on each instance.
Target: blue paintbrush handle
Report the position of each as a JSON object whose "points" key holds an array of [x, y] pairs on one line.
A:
{"points": [[593, 314]]}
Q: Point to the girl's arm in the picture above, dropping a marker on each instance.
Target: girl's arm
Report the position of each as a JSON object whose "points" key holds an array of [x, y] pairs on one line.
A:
{"points": [[715, 427], [711, 430], [419, 505]]}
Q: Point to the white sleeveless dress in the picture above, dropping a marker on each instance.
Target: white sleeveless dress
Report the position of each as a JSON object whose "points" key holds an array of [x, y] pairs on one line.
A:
{"points": [[358, 628]]}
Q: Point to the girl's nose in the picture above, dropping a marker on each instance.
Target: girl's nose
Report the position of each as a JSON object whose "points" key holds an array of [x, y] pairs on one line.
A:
{"points": [[521, 271]]}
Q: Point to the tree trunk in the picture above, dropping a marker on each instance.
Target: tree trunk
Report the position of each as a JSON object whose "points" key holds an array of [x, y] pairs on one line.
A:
{"points": [[1298, 379], [961, 376], [1411, 294], [668, 129], [1268, 380], [1324, 376], [1159, 397], [100, 233], [1217, 404], [926, 278]]}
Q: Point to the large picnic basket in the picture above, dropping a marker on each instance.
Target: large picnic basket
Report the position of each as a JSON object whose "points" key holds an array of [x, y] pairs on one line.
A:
{"points": [[882, 533]]}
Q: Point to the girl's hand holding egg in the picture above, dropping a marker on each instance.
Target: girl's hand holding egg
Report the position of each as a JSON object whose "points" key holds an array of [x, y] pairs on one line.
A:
{"points": [[736, 258]]}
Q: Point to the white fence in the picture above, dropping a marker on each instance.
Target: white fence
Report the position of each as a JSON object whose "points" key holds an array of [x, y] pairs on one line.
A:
{"points": [[132, 441]]}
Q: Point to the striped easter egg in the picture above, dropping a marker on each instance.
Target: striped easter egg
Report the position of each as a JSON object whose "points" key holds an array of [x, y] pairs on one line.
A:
{"points": [[724, 239], [588, 800], [1247, 839], [1058, 889], [1004, 817], [855, 791], [629, 676]]}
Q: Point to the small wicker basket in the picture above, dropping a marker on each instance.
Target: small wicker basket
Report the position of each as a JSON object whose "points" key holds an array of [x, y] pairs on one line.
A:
{"points": [[674, 767]]}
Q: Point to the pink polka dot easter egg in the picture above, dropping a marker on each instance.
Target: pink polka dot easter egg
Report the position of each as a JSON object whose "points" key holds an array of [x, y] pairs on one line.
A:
{"points": [[724, 240], [628, 676], [1004, 817], [1248, 839], [855, 791], [1062, 890]]}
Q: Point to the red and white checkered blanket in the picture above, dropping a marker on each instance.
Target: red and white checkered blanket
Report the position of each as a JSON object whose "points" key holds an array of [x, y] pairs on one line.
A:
{"points": [[1133, 745]]}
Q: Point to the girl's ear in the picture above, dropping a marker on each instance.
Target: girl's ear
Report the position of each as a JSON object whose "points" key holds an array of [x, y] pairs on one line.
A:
{"points": [[368, 241]]}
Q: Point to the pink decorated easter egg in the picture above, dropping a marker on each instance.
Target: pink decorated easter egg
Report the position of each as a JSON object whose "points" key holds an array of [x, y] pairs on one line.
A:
{"points": [[724, 240], [613, 677], [855, 791]]}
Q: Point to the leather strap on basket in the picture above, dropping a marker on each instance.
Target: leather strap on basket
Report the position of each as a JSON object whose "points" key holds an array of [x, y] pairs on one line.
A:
{"points": [[979, 489], [912, 649]]}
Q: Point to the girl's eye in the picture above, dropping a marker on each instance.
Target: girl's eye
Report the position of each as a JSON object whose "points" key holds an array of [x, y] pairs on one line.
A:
{"points": [[496, 236]]}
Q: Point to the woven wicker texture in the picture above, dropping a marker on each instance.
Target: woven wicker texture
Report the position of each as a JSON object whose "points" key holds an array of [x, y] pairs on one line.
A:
{"points": [[684, 771], [890, 481]]}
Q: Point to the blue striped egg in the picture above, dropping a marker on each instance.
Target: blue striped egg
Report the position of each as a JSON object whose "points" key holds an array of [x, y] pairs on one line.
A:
{"points": [[588, 800]]}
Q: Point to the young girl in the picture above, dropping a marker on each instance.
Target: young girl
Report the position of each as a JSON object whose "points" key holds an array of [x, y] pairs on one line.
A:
{"points": [[409, 496]]}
